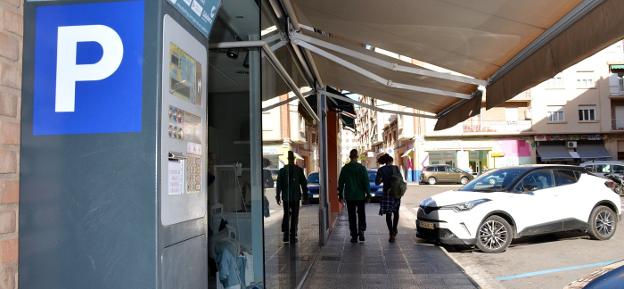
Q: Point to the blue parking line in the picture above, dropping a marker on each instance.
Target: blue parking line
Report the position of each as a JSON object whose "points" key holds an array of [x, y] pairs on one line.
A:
{"points": [[555, 270]]}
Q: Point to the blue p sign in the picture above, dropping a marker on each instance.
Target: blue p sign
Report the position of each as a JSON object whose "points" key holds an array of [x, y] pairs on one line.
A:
{"points": [[88, 68]]}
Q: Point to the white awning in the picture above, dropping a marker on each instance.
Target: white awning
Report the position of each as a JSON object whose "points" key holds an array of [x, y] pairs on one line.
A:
{"points": [[510, 45]]}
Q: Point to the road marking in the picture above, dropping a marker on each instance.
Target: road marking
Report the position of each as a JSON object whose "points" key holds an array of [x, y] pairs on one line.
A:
{"points": [[554, 270]]}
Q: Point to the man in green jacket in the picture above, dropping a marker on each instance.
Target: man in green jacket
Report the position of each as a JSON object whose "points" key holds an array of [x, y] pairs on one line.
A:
{"points": [[353, 187], [290, 182]]}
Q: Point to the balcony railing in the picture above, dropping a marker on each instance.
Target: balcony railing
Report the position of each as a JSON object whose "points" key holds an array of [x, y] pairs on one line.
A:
{"points": [[497, 126], [617, 124]]}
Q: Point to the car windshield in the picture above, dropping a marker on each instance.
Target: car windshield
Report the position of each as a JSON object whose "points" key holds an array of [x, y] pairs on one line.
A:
{"points": [[313, 178], [495, 180]]}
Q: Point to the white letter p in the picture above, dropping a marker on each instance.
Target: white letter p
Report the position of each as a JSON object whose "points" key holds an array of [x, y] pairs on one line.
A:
{"points": [[68, 72]]}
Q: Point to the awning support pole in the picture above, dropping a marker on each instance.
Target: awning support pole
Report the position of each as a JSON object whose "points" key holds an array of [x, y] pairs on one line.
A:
{"points": [[275, 63], [377, 78], [383, 63], [321, 103]]}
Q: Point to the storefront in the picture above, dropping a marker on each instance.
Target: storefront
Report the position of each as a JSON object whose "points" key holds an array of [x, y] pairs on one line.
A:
{"points": [[477, 156], [571, 149]]}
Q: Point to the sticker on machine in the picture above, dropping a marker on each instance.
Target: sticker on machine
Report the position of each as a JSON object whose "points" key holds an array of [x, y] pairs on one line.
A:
{"points": [[176, 177]]}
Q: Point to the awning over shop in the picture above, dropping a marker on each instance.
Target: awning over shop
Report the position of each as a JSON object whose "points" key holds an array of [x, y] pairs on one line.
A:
{"points": [[346, 109], [592, 151], [505, 45], [553, 152]]}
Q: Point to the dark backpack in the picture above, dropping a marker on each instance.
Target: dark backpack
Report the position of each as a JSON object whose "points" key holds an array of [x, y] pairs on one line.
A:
{"points": [[397, 184]]}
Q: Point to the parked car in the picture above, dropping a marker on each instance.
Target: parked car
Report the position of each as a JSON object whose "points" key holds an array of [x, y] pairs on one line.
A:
{"points": [[434, 174], [313, 186], [509, 203], [601, 168], [376, 190]]}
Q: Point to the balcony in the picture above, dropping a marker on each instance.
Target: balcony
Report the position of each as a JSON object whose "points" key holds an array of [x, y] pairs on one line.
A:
{"points": [[498, 127], [617, 124]]}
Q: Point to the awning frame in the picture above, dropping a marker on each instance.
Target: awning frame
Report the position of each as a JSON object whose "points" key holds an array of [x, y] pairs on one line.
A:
{"points": [[370, 75], [298, 37]]}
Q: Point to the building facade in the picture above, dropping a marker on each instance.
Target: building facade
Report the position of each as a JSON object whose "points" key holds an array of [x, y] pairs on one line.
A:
{"points": [[11, 35], [283, 130]]}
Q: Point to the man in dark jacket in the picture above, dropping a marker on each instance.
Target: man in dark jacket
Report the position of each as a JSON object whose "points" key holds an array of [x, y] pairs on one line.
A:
{"points": [[290, 182], [353, 187]]}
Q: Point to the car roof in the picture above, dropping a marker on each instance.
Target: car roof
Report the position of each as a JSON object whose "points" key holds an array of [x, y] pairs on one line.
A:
{"points": [[602, 162], [530, 167]]}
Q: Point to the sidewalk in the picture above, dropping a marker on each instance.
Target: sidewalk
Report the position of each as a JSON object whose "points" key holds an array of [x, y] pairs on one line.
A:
{"points": [[378, 264]]}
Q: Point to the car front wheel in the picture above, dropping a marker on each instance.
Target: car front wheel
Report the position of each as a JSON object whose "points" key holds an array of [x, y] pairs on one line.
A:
{"points": [[463, 180], [432, 181], [494, 235], [602, 223]]}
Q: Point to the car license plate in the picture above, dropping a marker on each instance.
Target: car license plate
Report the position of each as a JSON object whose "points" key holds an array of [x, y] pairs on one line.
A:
{"points": [[426, 225]]}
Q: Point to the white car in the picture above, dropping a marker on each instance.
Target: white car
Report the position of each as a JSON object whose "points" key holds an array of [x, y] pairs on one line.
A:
{"points": [[509, 203]]}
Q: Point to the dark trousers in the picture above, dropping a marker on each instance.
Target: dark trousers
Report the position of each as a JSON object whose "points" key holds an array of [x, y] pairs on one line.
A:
{"points": [[392, 224], [291, 217], [356, 225]]}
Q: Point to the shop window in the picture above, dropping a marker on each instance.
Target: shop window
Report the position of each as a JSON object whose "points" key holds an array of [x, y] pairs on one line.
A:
{"points": [[587, 113], [556, 114]]}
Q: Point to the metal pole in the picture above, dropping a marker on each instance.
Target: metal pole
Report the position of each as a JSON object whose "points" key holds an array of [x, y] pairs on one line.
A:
{"points": [[322, 133], [255, 127]]}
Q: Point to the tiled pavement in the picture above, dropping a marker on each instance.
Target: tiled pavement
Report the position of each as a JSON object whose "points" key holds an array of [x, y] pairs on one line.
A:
{"points": [[378, 264], [286, 264]]}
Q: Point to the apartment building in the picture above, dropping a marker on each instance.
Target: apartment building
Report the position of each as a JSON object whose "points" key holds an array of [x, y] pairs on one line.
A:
{"points": [[571, 118], [381, 132], [284, 129], [347, 142]]}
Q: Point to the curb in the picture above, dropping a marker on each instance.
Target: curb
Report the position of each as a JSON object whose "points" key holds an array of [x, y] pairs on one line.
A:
{"points": [[474, 275]]}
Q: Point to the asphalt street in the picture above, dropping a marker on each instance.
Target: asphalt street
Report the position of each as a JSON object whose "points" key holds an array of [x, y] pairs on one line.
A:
{"points": [[546, 262]]}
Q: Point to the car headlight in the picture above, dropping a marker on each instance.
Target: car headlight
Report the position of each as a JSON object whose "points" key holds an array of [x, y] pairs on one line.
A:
{"points": [[465, 206]]}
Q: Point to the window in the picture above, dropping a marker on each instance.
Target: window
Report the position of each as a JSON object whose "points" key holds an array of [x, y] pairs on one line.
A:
{"points": [[587, 113], [556, 82], [618, 169], [441, 169], [585, 79], [603, 168], [565, 177], [556, 114], [538, 180]]}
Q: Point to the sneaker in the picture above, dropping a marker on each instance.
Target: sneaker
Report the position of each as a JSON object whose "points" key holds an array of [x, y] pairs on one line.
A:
{"points": [[361, 237], [392, 238], [353, 240], [285, 239]]}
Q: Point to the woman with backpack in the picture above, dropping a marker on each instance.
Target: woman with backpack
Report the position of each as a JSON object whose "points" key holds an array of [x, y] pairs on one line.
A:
{"points": [[393, 188]]}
